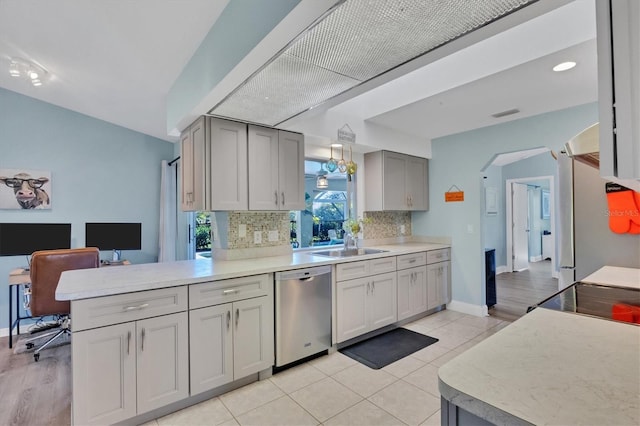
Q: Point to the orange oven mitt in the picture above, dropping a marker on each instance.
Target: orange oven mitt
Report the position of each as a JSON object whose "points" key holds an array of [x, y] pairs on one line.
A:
{"points": [[624, 209]]}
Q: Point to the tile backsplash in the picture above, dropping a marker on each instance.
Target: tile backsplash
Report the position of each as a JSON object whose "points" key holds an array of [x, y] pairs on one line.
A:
{"points": [[263, 222], [387, 225]]}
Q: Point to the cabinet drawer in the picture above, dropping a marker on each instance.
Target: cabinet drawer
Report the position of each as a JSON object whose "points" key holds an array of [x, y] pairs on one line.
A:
{"points": [[440, 255], [224, 291], [382, 265], [347, 271], [102, 311], [412, 260]]}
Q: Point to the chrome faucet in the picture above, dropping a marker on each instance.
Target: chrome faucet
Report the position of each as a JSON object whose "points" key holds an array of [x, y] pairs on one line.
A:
{"points": [[348, 241]]}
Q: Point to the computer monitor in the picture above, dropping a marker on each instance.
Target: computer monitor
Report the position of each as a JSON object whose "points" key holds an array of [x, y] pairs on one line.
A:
{"points": [[114, 236], [17, 239]]}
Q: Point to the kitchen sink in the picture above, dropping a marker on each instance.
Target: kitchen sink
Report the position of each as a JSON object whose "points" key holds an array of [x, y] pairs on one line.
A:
{"points": [[348, 253]]}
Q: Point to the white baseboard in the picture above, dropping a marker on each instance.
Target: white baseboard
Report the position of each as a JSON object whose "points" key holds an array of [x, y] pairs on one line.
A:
{"points": [[4, 332], [535, 258], [501, 269], [468, 308]]}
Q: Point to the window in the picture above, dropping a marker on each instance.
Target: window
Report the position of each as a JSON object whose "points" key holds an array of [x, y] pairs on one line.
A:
{"points": [[326, 208]]}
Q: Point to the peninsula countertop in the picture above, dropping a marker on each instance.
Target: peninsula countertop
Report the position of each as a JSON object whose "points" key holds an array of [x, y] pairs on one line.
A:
{"points": [[89, 283], [550, 367]]}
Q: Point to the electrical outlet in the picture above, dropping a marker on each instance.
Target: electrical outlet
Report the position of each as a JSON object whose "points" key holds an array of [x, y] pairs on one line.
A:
{"points": [[242, 231], [257, 237], [402, 229], [273, 236], [470, 229]]}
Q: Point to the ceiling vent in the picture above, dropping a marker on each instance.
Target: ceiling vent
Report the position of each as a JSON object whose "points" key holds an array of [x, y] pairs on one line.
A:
{"points": [[505, 113], [359, 40]]}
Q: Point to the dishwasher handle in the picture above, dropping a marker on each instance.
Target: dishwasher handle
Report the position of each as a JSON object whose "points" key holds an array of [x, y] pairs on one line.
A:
{"points": [[303, 274]]}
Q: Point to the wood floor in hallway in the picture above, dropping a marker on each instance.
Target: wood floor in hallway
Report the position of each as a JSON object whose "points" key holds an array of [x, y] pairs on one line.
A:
{"points": [[516, 291]]}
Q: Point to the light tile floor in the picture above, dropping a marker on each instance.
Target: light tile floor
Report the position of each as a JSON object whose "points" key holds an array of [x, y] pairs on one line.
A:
{"points": [[336, 390]]}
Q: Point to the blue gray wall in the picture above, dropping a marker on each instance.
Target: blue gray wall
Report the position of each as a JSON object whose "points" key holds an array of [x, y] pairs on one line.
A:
{"points": [[458, 160], [99, 173]]}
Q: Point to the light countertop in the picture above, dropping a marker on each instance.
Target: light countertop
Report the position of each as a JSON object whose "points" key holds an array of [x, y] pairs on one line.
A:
{"points": [[615, 276], [88, 283], [550, 367]]}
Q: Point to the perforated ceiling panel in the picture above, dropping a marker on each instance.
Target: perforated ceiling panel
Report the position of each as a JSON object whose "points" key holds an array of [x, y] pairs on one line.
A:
{"points": [[360, 40]]}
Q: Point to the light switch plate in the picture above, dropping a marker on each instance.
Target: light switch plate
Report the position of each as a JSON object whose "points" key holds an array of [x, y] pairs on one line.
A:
{"points": [[242, 231], [402, 229], [273, 236], [257, 237]]}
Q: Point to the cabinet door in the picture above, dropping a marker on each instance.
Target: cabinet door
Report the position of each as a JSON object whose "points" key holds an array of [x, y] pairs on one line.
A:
{"points": [[104, 374], [382, 302], [210, 347], [433, 282], [252, 336], [352, 308], [405, 282], [162, 361], [416, 183], [199, 159], [186, 169], [291, 170], [228, 165], [394, 191], [419, 295], [445, 283], [263, 169]]}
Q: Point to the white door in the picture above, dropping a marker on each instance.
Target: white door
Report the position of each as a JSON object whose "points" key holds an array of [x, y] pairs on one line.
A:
{"points": [[211, 347], [520, 218]]}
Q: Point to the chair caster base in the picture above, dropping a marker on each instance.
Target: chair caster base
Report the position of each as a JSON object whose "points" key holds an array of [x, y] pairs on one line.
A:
{"points": [[36, 357], [29, 345]]}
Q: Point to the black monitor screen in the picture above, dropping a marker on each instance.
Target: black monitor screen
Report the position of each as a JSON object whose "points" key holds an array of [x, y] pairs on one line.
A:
{"points": [[17, 239], [114, 236]]}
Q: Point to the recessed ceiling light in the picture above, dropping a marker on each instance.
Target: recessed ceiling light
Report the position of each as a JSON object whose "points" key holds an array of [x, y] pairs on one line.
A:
{"points": [[564, 66], [336, 145]]}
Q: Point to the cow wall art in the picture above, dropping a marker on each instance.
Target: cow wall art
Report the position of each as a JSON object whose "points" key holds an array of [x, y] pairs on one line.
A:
{"points": [[25, 189]]}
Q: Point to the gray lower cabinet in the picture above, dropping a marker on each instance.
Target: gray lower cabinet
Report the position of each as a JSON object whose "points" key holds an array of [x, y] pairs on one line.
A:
{"points": [[230, 341], [122, 370], [412, 292], [439, 277]]}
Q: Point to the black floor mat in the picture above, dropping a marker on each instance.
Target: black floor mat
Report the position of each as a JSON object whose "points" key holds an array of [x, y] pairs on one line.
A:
{"points": [[388, 347]]}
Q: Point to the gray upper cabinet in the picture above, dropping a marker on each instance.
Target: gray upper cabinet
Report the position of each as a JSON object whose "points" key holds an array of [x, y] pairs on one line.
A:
{"points": [[193, 165], [276, 169], [395, 181], [228, 165]]}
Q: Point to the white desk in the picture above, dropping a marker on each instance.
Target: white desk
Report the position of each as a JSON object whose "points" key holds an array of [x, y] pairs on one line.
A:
{"points": [[20, 277], [17, 277]]}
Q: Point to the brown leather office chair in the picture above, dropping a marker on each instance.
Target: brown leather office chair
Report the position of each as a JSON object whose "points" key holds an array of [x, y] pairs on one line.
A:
{"points": [[46, 267]]}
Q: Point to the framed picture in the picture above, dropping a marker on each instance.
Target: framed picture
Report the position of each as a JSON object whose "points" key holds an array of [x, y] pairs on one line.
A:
{"points": [[545, 207], [22, 189], [491, 201]]}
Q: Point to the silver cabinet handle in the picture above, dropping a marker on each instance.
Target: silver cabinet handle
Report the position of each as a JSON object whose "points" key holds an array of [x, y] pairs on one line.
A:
{"points": [[283, 198], [368, 285], [237, 316], [133, 308], [142, 340], [373, 286], [230, 291], [276, 195], [128, 341], [412, 261], [228, 319]]}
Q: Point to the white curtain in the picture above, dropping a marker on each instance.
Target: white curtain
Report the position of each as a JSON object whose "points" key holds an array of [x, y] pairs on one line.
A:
{"points": [[168, 232]]}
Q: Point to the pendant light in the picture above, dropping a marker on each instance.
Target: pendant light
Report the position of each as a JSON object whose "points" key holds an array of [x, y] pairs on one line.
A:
{"points": [[342, 165], [332, 164]]}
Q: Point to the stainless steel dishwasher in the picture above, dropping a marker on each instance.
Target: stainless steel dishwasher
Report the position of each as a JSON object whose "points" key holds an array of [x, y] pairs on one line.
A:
{"points": [[303, 313]]}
